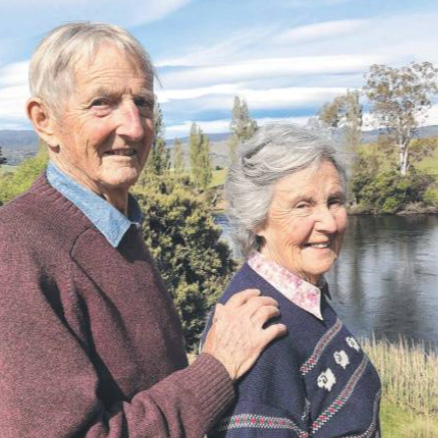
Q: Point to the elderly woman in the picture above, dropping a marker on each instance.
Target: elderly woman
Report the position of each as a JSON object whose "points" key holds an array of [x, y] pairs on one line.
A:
{"points": [[286, 196], [91, 345]]}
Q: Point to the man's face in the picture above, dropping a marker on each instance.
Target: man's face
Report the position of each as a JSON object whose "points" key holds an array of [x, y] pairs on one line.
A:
{"points": [[105, 130]]}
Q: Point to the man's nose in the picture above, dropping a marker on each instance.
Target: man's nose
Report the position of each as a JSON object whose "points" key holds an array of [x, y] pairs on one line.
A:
{"points": [[130, 122]]}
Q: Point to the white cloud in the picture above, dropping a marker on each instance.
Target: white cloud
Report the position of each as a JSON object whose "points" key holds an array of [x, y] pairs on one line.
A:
{"points": [[194, 93], [14, 74], [209, 127], [224, 51], [257, 69], [46, 14], [223, 125], [12, 102], [328, 29]]}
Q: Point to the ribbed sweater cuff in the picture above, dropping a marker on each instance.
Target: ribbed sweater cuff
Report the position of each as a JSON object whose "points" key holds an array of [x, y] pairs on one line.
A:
{"points": [[212, 383]]}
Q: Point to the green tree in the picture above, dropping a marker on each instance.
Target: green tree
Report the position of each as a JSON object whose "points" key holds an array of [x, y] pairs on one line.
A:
{"points": [[345, 112], [178, 157], [205, 171], [200, 161], [194, 263], [242, 127], [195, 153], [400, 98], [159, 157]]}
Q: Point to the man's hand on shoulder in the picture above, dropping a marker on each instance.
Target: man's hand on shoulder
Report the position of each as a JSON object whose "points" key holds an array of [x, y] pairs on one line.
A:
{"points": [[237, 336]]}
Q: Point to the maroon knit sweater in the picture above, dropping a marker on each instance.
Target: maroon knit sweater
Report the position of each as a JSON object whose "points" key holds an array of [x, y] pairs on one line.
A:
{"points": [[90, 342]]}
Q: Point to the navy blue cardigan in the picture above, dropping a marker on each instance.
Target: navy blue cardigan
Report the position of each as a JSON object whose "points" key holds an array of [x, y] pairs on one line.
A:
{"points": [[314, 382]]}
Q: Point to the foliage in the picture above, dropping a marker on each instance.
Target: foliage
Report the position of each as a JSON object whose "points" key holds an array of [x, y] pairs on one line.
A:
{"points": [[242, 127], [430, 196], [178, 157], [345, 112], [13, 184], [400, 98], [184, 241], [159, 157], [2, 159], [387, 191], [200, 161]]}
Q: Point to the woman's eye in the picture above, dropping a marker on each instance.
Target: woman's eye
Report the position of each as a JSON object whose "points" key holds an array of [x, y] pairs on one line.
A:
{"points": [[336, 202], [100, 102], [302, 205]]}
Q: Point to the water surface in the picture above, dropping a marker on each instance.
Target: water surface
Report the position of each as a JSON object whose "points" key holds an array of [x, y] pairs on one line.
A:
{"points": [[386, 279]]}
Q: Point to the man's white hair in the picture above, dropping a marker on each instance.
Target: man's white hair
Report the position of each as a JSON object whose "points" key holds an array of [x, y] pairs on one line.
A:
{"points": [[51, 72]]}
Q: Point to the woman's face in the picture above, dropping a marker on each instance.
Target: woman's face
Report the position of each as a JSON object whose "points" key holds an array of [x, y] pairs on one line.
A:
{"points": [[306, 222]]}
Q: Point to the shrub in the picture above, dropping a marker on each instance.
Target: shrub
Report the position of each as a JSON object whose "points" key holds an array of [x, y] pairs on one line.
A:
{"points": [[194, 263]]}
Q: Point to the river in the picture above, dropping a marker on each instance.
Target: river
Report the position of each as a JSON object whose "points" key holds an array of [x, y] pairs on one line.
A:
{"points": [[385, 281]]}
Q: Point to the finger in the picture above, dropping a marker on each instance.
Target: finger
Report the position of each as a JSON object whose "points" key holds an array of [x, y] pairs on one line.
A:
{"points": [[264, 314], [242, 297], [272, 332], [218, 310], [252, 306]]}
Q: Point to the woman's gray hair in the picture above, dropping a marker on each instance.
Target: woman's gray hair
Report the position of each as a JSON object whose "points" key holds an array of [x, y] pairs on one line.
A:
{"points": [[51, 71], [275, 151]]}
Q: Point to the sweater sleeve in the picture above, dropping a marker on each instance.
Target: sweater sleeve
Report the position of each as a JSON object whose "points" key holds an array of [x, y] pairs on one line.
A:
{"points": [[48, 384]]}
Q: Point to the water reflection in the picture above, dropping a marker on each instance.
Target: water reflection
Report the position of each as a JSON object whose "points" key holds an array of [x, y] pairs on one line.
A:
{"points": [[386, 278]]}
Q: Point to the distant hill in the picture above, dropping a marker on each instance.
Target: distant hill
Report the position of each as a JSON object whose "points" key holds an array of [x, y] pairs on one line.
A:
{"points": [[18, 145]]}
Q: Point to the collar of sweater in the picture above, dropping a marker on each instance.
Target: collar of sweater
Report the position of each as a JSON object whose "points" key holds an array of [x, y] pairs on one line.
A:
{"points": [[303, 294]]}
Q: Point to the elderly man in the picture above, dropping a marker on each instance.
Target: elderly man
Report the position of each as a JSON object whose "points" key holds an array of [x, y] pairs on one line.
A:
{"points": [[90, 344]]}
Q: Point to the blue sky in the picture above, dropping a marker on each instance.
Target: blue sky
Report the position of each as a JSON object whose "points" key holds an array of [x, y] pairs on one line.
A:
{"points": [[285, 57]]}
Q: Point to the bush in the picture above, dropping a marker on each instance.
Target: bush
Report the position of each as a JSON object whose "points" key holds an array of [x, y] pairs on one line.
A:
{"points": [[183, 239], [389, 191], [13, 184], [431, 196]]}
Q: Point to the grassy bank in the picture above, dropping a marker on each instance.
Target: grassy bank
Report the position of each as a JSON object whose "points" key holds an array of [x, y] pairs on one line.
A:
{"points": [[410, 388]]}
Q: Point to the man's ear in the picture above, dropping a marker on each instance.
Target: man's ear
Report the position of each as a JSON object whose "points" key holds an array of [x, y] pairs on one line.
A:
{"points": [[42, 120]]}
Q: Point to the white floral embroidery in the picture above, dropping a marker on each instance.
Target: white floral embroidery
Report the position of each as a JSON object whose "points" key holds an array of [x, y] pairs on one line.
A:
{"points": [[341, 358], [352, 343], [326, 379]]}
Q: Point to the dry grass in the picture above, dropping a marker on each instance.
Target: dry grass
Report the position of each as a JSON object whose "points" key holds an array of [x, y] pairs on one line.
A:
{"points": [[409, 374]]}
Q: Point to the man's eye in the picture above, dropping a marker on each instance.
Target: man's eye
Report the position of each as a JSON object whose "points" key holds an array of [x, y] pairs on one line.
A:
{"points": [[141, 102]]}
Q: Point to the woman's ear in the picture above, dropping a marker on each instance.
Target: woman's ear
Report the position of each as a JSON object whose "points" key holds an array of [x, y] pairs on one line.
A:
{"points": [[42, 120]]}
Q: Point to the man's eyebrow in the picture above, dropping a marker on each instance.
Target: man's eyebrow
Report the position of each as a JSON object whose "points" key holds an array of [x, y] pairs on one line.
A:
{"points": [[109, 92]]}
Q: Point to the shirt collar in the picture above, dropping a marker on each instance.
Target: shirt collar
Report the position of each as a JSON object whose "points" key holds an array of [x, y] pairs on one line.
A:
{"points": [[300, 292], [106, 218]]}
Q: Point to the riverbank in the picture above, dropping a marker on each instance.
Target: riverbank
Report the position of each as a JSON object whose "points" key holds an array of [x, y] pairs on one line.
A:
{"points": [[409, 210]]}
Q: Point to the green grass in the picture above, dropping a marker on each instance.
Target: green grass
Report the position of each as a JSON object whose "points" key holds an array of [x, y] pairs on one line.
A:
{"points": [[410, 388], [218, 177], [397, 422], [430, 164], [4, 168]]}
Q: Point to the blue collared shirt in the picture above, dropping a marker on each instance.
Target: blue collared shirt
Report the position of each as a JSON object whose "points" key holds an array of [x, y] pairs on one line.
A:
{"points": [[106, 218]]}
